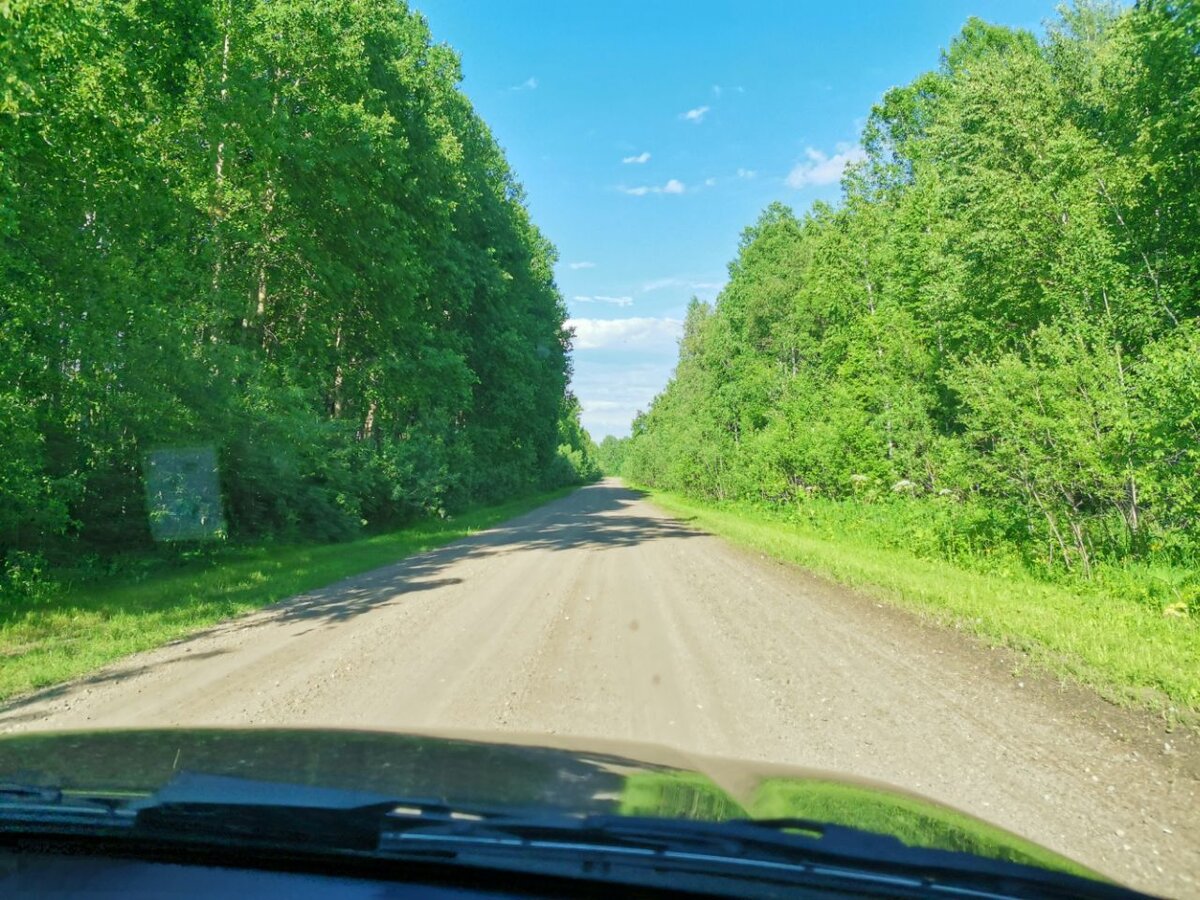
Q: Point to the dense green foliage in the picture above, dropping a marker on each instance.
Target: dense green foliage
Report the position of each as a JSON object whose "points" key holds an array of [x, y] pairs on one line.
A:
{"points": [[995, 336], [611, 454], [274, 229]]}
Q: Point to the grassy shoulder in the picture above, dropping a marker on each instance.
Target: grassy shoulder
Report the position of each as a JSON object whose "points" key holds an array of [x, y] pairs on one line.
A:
{"points": [[78, 630], [1128, 652]]}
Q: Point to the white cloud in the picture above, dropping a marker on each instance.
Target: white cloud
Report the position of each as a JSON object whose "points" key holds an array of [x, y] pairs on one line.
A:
{"points": [[746, 173], [710, 182], [695, 115], [657, 284], [601, 298], [643, 157], [583, 264], [613, 391], [673, 186], [529, 84], [819, 169], [626, 334]]}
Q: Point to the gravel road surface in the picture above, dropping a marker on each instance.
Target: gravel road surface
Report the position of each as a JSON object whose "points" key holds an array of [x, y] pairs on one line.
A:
{"points": [[599, 615]]}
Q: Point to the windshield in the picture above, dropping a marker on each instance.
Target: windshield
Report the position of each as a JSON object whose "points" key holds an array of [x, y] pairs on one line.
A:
{"points": [[792, 386]]}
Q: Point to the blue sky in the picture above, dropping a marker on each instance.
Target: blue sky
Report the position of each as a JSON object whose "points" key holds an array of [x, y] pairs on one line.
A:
{"points": [[649, 134]]}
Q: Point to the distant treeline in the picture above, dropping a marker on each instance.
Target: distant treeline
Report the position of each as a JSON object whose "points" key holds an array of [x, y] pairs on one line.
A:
{"points": [[996, 331], [274, 229]]}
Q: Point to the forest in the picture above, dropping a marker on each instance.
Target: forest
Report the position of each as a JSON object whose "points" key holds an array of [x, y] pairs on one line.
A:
{"points": [[989, 350], [277, 232]]}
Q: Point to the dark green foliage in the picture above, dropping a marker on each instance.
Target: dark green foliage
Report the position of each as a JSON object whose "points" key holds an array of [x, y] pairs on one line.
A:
{"points": [[274, 229], [577, 456], [995, 334], [610, 454]]}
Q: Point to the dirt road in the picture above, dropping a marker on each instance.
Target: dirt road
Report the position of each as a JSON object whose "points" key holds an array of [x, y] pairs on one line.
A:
{"points": [[598, 615]]}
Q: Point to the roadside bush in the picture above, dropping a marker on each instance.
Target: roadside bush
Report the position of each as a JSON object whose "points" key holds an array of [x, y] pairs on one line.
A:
{"points": [[24, 582]]}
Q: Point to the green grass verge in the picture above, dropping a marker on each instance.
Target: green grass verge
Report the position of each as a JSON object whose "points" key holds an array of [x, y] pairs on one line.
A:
{"points": [[1127, 651], [76, 631]]}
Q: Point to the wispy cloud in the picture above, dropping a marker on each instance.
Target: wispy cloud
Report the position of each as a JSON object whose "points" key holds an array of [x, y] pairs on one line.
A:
{"points": [[637, 332], [529, 84], [658, 284], [695, 115], [819, 169], [601, 298], [746, 173], [582, 264], [639, 159], [673, 186], [710, 182]]}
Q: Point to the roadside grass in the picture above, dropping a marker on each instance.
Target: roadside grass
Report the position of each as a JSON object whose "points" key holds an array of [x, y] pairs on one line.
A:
{"points": [[1128, 652], [78, 629]]}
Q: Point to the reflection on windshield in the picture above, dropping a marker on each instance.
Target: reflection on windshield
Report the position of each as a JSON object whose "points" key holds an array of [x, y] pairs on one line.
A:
{"points": [[474, 774]]}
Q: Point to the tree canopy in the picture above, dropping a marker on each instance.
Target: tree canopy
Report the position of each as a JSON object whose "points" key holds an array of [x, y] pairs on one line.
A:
{"points": [[277, 230], [999, 321]]}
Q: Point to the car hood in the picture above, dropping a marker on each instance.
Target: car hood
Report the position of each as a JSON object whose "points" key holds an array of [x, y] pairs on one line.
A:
{"points": [[521, 773]]}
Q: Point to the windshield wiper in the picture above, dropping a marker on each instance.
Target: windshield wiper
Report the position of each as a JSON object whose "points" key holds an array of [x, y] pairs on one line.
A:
{"points": [[24, 805], [198, 806], [799, 851], [733, 838], [213, 805], [205, 807], [13, 792], [208, 809]]}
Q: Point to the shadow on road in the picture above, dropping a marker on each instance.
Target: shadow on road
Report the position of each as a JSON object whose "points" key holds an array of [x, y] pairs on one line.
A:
{"points": [[11, 711], [595, 518]]}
